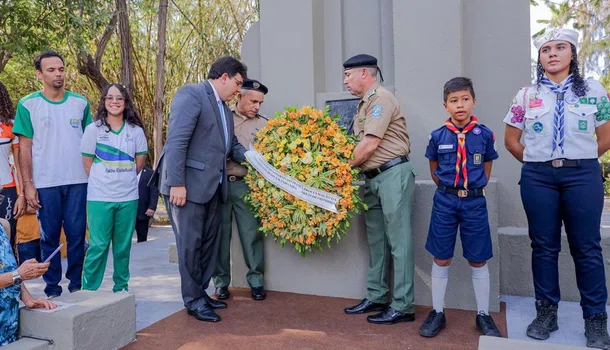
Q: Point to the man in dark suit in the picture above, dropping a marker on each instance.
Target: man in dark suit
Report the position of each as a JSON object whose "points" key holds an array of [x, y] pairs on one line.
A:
{"points": [[147, 203], [193, 180]]}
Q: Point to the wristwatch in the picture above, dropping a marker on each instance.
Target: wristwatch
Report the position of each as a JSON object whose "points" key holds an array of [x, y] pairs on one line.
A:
{"points": [[17, 280]]}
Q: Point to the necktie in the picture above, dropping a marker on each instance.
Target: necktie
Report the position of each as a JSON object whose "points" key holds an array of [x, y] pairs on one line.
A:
{"points": [[224, 122], [461, 161], [558, 119]]}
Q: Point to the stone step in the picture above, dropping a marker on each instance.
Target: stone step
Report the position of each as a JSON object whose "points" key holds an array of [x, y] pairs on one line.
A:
{"points": [[96, 321], [28, 344], [495, 343], [516, 264]]}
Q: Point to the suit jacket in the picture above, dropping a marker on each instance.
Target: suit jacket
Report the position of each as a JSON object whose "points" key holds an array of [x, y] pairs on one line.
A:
{"points": [[195, 152], [148, 195]]}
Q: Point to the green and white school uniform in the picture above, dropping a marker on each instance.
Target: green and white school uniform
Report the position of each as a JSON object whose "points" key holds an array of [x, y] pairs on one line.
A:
{"points": [[112, 199]]}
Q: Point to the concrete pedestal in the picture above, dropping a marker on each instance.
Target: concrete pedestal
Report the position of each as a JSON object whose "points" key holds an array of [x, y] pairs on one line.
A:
{"points": [[96, 321]]}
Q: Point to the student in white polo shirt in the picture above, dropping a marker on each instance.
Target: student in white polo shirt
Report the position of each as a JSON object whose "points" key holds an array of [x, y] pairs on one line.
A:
{"points": [[114, 151], [50, 125]]}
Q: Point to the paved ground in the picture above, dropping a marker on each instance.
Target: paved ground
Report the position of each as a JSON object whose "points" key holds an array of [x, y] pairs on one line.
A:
{"points": [[156, 285]]}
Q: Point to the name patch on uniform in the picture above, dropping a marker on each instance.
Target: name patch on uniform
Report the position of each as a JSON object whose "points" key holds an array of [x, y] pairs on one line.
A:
{"points": [[476, 131], [477, 158], [537, 127], [376, 113], [440, 147], [582, 125], [75, 122]]}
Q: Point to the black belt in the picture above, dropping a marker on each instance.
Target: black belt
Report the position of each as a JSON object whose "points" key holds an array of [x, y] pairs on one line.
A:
{"points": [[385, 166], [462, 193], [562, 163], [233, 178]]}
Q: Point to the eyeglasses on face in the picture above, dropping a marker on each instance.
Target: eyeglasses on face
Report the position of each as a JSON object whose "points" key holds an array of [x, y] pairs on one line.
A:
{"points": [[113, 98]]}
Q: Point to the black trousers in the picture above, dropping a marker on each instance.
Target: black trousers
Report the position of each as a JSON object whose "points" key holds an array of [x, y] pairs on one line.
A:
{"points": [[142, 230]]}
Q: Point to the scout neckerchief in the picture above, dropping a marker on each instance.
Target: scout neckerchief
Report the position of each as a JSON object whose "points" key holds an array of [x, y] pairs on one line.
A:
{"points": [[461, 161], [558, 120]]}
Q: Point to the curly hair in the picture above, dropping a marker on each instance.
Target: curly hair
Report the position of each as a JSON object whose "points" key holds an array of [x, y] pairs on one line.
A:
{"points": [[579, 85], [130, 115], [7, 111]]}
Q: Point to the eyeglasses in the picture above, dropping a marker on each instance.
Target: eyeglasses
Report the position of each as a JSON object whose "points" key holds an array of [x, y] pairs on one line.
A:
{"points": [[112, 98]]}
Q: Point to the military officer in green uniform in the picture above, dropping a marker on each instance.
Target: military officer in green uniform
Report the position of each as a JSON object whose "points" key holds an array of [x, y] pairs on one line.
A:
{"points": [[382, 154], [248, 121]]}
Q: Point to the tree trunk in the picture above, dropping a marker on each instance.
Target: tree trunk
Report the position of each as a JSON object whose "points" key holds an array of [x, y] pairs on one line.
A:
{"points": [[125, 43], [5, 56], [160, 83]]}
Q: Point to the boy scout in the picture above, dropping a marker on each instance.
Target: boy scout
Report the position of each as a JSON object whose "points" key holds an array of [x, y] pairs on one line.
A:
{"points": [[461, 154], [383, 156], [247, 123]]}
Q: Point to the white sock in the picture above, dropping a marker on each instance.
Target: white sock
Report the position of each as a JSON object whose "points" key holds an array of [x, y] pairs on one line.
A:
{"points": [[440, 275], [480, 282]]}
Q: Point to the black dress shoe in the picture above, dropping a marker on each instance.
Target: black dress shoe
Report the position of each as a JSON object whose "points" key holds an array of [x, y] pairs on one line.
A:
{"points": [[364, 306], [435, 322], [222, 293], [390, 316], [215, 304], [204, 313], [258, 293]]}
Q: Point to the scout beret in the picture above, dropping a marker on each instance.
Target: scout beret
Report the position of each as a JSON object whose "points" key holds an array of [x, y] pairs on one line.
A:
{"points": [[251, 84], [568, 35], [362, 60]]}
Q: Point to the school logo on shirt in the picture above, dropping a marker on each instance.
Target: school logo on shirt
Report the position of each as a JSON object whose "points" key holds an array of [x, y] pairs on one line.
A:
{"points": [[128, 138], [537, 127], [75, 122]]}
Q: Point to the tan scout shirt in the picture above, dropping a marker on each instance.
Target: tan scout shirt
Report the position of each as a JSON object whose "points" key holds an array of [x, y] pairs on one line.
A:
{"points": [[379, 115], [245, 130]]}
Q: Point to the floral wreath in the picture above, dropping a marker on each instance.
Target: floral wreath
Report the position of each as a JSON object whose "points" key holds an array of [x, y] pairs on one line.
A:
{"points": [[309, 146]]}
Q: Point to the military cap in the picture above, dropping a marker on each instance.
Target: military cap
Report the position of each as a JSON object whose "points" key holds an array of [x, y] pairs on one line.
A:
{"points": [[362, 60], [251, 84]]}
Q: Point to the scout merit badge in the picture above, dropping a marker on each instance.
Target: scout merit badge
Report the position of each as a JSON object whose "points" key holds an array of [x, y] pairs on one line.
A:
{"points": [[461, 161]]}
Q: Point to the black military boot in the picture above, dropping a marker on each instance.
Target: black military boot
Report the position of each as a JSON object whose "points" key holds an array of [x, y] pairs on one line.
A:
{"points": [[596, 331], [545, 321]]}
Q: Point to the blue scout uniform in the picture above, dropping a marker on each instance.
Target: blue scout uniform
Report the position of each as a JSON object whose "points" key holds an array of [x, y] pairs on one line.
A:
{"points": [[561, 182], [468, 209]]}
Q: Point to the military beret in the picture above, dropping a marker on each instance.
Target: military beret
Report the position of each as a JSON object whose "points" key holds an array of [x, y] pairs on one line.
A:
{"points": [[361, 60], [251, 84]]}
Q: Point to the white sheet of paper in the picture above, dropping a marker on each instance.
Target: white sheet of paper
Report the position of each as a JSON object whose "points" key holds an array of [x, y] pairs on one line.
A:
{"points": [[60, 306]]}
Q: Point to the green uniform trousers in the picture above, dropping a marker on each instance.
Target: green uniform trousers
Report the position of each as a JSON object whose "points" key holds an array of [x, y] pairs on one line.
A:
{"points": [[249, 235], [389, 197], [109, 222]]}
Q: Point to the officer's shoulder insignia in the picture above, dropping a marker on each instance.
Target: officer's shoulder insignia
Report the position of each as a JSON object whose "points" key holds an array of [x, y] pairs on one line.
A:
{"points": [[371, 93], [376, 112]]}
